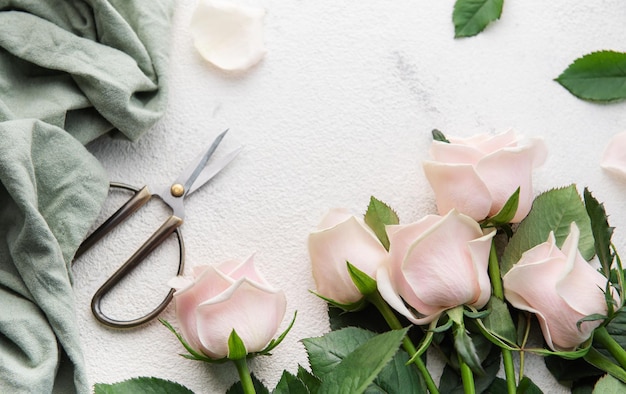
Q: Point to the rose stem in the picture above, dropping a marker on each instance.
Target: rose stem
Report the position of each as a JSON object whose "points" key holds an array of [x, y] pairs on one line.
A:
{"points": [[244, 376], [604, 338], [393, 322], [467, 376], [498, 291]]}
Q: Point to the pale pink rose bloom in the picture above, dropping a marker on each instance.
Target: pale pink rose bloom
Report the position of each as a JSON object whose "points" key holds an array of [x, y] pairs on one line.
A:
{"points": [[223, 297], [436, 264], [560, 288], [614, 155], [340, 238], [477, 175]]}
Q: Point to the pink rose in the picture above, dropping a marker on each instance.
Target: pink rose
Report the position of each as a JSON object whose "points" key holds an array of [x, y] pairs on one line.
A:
{"points": [[436, 264], [477, 175], [560, 288], [614, 155], [343, 238], [225, 297]]}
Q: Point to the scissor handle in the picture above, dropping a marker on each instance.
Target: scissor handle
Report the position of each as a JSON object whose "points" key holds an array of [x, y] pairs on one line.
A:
{"points": [[171, 225], [141, 197]]}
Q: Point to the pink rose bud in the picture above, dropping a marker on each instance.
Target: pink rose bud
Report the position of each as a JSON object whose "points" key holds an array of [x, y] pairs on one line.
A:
{"points": [[343, 238], [477, 175], [560, 288], [225, 297], [436, 264]]}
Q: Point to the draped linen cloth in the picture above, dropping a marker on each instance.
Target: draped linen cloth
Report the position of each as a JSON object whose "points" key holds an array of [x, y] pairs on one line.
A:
{"points": [[70, 71]]}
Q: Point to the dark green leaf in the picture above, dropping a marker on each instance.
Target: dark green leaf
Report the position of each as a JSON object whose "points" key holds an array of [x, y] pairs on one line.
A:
{"points": [[309, 380], [508, 211], [609, 385], [397, 376], [451, 383], [142, 385], [379, 215], [361, 280], [359, 368], [526, 386], [601, 230], [327, 351], [598, 76], [439, 136], [236, 347], [499, 321], [259, 387], [290, 384], [570, 371], [368, 318], [553, 210], [593, 317], [470, 17], [598, 360]]}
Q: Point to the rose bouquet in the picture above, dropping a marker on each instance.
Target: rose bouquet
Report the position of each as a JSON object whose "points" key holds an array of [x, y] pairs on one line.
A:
{"points": [[474, 283]]}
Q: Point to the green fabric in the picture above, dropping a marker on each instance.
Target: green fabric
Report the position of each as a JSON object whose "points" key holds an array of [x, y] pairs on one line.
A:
{"points": [[70, 71]]}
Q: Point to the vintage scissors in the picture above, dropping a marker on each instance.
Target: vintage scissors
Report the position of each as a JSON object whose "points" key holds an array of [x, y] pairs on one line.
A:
{"points": [[197, 174]]}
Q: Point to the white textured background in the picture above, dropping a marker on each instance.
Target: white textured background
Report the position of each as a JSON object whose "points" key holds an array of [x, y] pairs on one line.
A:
{"points": [[340, 108]]}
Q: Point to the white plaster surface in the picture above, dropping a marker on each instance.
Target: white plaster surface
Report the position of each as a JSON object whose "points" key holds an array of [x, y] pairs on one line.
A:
{"points": [[341, 108]]}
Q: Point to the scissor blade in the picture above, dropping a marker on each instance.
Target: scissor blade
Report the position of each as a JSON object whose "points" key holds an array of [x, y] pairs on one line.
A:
{"points": [[189, 175], [213, 169]]}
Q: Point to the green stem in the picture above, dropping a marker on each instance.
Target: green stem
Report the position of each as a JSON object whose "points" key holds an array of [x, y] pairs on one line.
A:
{"points": [[522, 353], [498, 291], [603, 337], [244, 376], [467, 376], [407, 344]]}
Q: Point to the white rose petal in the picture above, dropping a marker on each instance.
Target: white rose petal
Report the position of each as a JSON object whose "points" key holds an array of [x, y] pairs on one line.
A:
{"points": [[229, 36]]}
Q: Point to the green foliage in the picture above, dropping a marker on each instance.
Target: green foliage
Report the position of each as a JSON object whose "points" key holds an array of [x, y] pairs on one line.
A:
{"points": [[526, 386], [499, 322], [237, 387], [290, 384], [470, 17], [142, 385], [598, 76], [356, 360], [439, 136], [602, 232], [379, 215], [236, 347], [507, 213], [553, 210], [609, 385]]}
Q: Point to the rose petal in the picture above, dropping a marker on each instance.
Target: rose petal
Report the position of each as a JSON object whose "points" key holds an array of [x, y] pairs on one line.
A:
{"points": [[454, 153], [614, 155], [333, 217], [480, 249], [248, 270], [486, 143], [228, 35], [254, 313], [331, 248], [507, 169], [458, 186], [208, 285], [440, 268]]}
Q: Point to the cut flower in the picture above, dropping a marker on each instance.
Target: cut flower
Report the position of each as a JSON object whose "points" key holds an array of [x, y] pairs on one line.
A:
{"points": [[229, 36], [477, 175], [560, 288], [436, 264], [226, 297]]}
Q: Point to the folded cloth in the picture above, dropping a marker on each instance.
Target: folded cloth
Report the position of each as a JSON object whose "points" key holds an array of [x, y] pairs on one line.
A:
{"points": [[70, 71]]}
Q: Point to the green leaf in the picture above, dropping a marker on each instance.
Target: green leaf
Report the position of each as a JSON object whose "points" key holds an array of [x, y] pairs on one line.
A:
{"points": [[609, 385], [236, 347], [439, 136], [355, 306], [598, 76], [553, 210], [397, 376], [499, 321], [601, 230], [290, 384], [142, 385], [598, 360], [193, 354], [570, 371], [450, 381], [363, 282], [259, 388], [359, 368], [327, 351], [526, 386], [508, 211], [379, 215], [465, 348], [310, 381], [470, 17]]}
